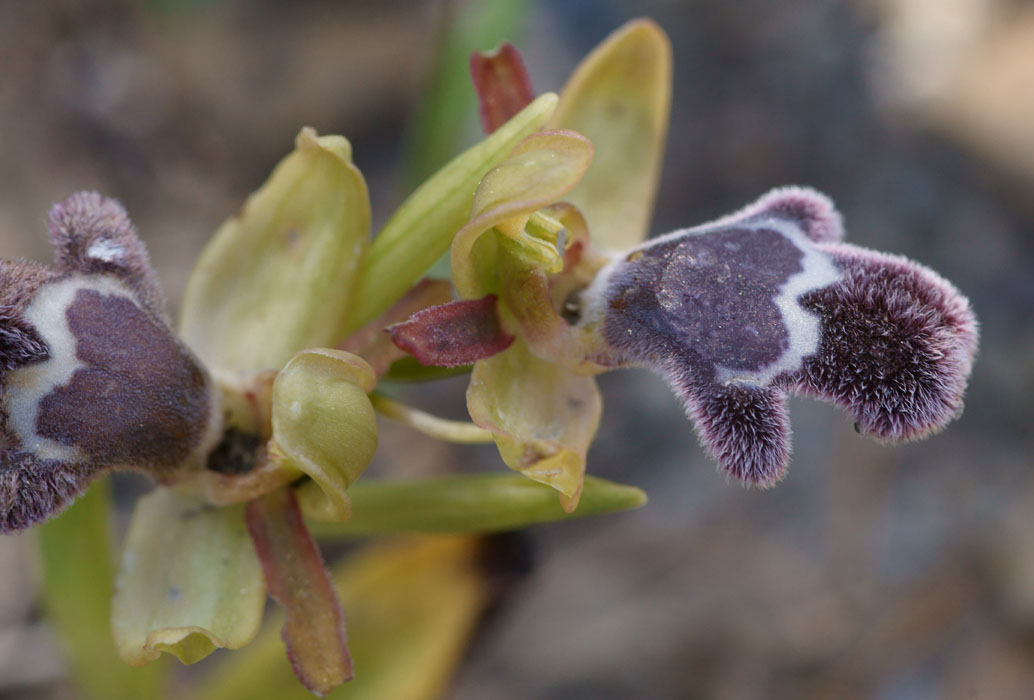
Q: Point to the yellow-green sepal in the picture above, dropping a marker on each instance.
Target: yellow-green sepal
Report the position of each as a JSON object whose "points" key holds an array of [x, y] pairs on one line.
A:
{"points": [[279, 276], [543, 417], [620, 98], [188, 583]]}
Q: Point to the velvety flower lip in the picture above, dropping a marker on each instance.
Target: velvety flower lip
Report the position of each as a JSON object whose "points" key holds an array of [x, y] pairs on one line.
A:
{"points": [[92, 378], [739, 312]]}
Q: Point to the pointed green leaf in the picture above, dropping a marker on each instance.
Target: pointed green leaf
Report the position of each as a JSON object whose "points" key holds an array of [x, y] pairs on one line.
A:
{"points": [[189, 581], [412, 604], [472, 503], [78, 570], [323, 422], [422, 229], [620, 97], [279, 276]]}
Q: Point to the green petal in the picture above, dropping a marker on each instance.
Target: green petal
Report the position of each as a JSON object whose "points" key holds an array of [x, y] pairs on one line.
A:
{"points": [[78, 575], [279, 276], [541, 170], [543, 417], [412, 607], [423, 227], [189, 581], [472, 503], [323, 422], [620, 97]]}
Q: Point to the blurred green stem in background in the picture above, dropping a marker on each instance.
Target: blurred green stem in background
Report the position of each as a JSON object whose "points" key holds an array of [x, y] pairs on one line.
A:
{"points": [[78, 574], [449, 105]]}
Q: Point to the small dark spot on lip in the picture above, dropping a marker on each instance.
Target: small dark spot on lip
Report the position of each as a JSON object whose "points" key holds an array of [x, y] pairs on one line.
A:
{"points": [[857, 429], [574, 404], [173, 593]]}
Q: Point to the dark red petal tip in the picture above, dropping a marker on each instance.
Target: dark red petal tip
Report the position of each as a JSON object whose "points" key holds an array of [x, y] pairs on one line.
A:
{"points": [[453, 334], [502, 85]]}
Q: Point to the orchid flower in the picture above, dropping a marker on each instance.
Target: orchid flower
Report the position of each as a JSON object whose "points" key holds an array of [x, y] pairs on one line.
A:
{"points": [[257, 412], [733, 314]]}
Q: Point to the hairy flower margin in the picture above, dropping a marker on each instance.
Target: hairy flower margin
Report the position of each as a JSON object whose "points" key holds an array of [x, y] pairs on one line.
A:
{"points": [[270, 416]]}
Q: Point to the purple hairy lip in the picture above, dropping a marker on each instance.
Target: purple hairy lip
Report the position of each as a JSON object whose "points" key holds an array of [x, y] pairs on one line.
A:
{"points": [[92, 376], [767, 301]]}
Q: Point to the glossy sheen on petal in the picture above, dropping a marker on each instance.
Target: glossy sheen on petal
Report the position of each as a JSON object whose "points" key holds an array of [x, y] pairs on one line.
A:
{"points": [[541, 170], [189, 581], [323, 423], [543, 417], [279, 276], [619, 97], [422, 228], [413, 604], [472, 503]]}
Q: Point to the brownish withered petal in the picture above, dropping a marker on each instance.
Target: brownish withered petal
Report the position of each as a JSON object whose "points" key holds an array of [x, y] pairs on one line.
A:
{"points": [[314, 629], [502, 85], [453, 334], [374, 345]]}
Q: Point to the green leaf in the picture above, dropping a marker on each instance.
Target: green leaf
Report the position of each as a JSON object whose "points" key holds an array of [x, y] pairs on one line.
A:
{"points": [[189, 581], [473, 503], [422, 229], [619, 97], [278, 277], [412, 607], [78, 573]]}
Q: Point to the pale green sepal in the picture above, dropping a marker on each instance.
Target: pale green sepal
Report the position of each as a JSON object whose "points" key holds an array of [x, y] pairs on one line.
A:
{"points": [[323, 422], [422, 229], [78, 572], [279, 276], [189, 581], [474, 503], [620, 97], [543, 417]]}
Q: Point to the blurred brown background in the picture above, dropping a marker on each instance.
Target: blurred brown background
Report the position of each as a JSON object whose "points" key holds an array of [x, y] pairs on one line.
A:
{"points": [[871, 572]]}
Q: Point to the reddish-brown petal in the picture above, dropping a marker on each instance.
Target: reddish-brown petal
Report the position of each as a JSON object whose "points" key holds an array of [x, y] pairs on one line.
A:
{"points": [[453, 334], [502, 85], [314, 629], [373, 345]]}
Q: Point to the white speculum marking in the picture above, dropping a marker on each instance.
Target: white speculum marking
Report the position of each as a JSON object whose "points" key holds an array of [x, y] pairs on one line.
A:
{"points": [[105, 250], [27, 386]]}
